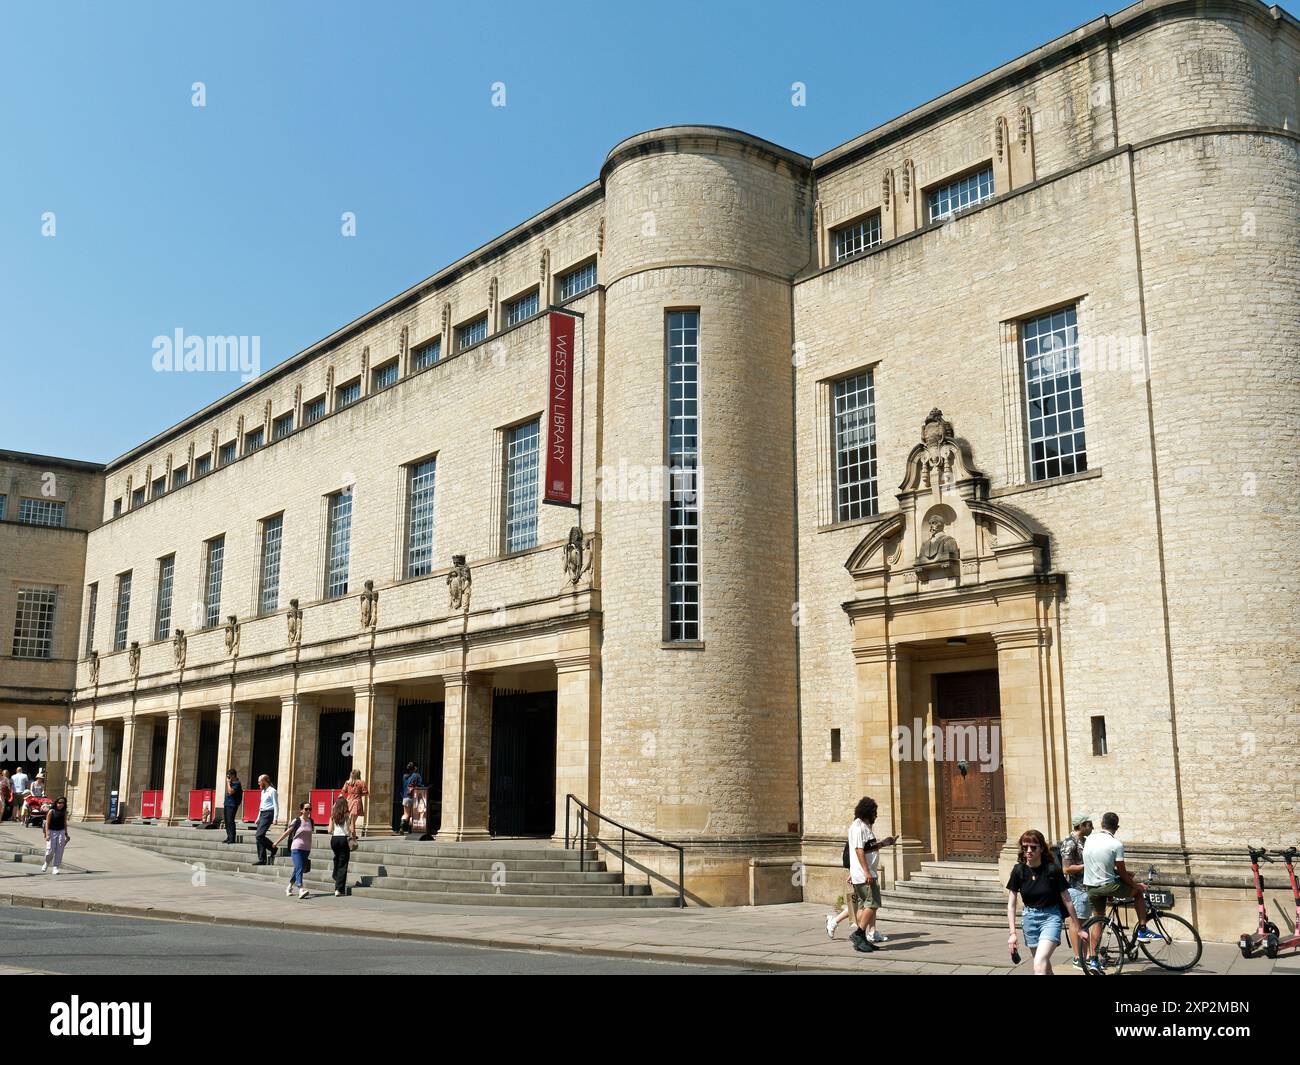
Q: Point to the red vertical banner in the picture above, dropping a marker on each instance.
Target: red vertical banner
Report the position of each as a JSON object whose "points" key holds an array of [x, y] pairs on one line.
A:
{"points": [[559, 413]]}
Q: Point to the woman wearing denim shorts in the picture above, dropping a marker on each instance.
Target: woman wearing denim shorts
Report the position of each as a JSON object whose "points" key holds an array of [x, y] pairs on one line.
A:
{"points": [[1039, 882]]}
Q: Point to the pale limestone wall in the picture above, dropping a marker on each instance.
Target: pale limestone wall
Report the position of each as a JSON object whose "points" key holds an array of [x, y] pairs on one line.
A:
{"points": [[1225, 326], [700, 742]]}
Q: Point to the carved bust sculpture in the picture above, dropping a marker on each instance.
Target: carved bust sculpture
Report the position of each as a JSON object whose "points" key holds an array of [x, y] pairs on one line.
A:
{"points": [[458, 582], [940, 547]]}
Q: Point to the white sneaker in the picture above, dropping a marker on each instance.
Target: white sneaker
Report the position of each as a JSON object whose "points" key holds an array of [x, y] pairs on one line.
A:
{"points": [[875, 937], [338, 894], [289, 889], [55, 871], [830, 925], [44, 866], [303, 893]]}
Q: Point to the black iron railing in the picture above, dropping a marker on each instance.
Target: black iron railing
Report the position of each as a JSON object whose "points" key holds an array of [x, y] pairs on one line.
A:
{"points": [[576, 831]]}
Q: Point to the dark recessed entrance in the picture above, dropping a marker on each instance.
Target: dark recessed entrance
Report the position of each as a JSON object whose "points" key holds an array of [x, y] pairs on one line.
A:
{"points": [[419, 740], [972, 802], [334, 748], [264, 756], [522, 799]]}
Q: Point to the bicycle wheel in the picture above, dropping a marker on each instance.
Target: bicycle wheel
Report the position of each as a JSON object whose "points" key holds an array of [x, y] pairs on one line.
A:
{"points": [[1110, 943], [1179, 945]]}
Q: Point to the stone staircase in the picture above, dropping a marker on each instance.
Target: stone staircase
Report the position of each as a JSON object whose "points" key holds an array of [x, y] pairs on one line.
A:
{"points": [[496, 873], [949, 893]]}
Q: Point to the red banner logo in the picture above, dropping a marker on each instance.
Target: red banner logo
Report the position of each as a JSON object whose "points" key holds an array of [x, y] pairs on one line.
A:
{"points": [[559, 419]]}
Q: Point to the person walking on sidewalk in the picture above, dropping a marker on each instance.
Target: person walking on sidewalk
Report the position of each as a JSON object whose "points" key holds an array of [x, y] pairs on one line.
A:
{"points": [[6, 795], [1071, 851], [268, 812], [355, 792], [234, 799], [299, 830], [864, 859], [411, 779], [340, 844], [21, 782], [56, 834], [1039, 882]]}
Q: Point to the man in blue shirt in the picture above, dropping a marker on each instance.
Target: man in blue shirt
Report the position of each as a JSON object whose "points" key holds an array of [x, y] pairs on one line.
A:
{"points": [[411, 779], [268, 812]]}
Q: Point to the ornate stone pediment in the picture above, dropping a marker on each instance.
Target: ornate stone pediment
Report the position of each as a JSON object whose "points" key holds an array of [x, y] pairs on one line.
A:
{"points": [[946, 533]]}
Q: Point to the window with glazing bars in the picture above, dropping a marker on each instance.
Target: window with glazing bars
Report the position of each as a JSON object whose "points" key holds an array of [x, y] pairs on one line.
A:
{"points": [[960, 194], [163, 622], [41, 512], [419, 517], [857, 237], [137, 498], [117, 508], [577, 281], [227, 454], [5, 499], [382, 377], [854, 433], [92, 598], [34, 623], [180, 476], [268, 595], [253, 440], [123, 610], [346, 394], [471, 333], [215, 562], [282, 426], [1054, 395], [426, 354], [203, 465], [313, 410], [521, 486], [683, 465], [338, 543], [523, 307], [158, 488]]}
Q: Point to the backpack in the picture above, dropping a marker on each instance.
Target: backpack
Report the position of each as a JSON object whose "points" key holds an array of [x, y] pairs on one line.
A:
{"points": [[846, 854]]}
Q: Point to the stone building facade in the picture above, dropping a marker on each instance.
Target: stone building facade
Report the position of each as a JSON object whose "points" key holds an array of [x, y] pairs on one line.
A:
{"points": [[982, 422]]}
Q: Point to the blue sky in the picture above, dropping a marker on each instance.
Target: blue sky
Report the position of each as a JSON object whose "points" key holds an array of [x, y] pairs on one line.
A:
{"points": [[226, 219]]}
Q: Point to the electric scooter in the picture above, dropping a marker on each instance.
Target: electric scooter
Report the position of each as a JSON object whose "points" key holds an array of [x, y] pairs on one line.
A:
{"points": [[1267, 933], [1276, 943]]}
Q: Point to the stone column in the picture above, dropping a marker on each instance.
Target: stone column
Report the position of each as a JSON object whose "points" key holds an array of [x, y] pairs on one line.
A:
{"points": [[182, 761], [374, 734], [126, 774], [234, 747], [1032, 773], [299, 724], [466, 756], [577, 736], [141, 756]]}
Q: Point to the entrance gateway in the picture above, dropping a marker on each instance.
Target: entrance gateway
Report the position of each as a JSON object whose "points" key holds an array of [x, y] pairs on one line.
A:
{"points": [[972, 803]]}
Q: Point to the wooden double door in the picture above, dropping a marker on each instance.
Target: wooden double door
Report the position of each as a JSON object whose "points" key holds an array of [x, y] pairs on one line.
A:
{"points": [[972, 801]]}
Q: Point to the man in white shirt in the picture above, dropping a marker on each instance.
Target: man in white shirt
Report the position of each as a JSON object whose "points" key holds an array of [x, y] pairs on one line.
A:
{"points": [[21, 783], [268, 812], [864, 859], [1104, 874]]}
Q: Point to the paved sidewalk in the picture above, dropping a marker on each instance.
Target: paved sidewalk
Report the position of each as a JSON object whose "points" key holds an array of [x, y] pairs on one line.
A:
{"points": [[121, 879]]}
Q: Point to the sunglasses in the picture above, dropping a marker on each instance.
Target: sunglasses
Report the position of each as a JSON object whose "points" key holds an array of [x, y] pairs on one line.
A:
{"points": [[1030, 846]]}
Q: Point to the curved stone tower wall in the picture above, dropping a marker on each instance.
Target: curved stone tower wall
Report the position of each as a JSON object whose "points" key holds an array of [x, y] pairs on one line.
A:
{"points": [[700, 743]]}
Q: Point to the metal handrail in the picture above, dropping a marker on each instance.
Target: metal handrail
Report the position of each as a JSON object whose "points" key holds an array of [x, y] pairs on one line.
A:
{"points": [[582, 837]]}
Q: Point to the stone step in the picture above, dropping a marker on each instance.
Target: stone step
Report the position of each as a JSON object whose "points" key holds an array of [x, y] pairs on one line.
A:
{"points": [[510, 887], [939, 889], [960, 870], [568, 902], [936, 907]]}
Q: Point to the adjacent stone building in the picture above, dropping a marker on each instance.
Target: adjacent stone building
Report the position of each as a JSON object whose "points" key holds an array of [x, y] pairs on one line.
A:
{"points": [[950, 466]]}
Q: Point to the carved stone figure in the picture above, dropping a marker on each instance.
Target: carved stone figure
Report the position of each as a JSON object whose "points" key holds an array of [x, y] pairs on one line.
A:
{"points": [[369, 606], [133, 658], [577, 555], [178, 648], [940, 547], [294, 618], [458, 582], [940, 452], [232, 636], [93, 663]]}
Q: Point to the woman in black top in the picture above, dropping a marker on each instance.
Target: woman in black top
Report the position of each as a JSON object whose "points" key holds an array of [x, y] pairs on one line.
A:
{"points": [[56, 834], [1040, 883]]}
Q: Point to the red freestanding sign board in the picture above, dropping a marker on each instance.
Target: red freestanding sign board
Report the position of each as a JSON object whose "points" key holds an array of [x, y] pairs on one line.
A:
{"points": [[559, 413], [197, 799], [321, 801], [151, 805], [252, 801]]}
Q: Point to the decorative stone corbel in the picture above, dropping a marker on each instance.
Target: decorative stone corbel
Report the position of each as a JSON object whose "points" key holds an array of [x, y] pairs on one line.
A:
{"points": [[179, 643], [294, 618], [369, 606], [92, 663], [458, 583], [578, 555], [232, 636], [133, 659]]}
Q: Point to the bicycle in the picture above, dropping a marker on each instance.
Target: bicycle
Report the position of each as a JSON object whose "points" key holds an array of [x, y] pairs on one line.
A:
{"points": [[1177, 948]]}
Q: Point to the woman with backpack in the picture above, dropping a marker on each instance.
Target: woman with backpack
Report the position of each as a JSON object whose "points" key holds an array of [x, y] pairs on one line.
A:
{"points": [[300, 829], [340, 844], [1038, 880]]}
